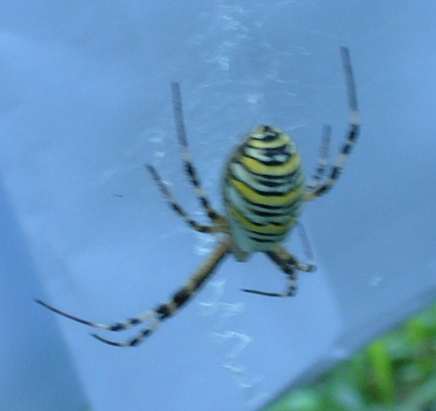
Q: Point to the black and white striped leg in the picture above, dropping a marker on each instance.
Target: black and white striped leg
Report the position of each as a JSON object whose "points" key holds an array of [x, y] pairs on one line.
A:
{"points": [[352, 133], [179, 209], [323, 159], [119, 326], [163, 311], [289, 265], [187, 160]]}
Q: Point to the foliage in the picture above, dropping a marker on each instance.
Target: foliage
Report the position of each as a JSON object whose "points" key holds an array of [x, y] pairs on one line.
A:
{"points": [[397, 372]]}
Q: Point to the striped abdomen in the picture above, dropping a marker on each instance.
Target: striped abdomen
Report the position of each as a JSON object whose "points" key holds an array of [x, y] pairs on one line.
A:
{"points": [[263, 190]]}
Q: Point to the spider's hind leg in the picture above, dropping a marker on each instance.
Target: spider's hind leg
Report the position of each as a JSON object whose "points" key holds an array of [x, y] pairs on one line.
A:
{"points": [[289, 265], [154, 316], [163, 311], [179, 299]]}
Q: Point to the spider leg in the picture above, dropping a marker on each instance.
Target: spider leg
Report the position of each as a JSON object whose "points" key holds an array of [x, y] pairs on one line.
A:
{"points": [[163, 311], [179, 210], [322, 163], [120, 326], [352, 133], [288, 264], [307, 249], [179, 299], [187, 159]]}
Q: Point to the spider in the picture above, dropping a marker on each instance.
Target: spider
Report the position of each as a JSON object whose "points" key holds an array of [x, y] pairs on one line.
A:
{"points": [[263, 191]]}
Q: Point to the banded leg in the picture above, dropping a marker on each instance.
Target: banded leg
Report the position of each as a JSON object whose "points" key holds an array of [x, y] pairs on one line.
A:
{"points": [[352, 133], [179, 210], [161, 313], [322, 163], [307, 249], [288, 264], [187, 159]]}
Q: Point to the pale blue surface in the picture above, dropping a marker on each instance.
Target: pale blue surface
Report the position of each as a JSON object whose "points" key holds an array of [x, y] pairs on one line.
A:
{"points": [[85, 102], [37, 372]]}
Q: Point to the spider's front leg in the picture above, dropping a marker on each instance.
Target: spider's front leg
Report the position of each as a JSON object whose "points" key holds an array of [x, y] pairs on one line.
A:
{"points": [[289, 265]]}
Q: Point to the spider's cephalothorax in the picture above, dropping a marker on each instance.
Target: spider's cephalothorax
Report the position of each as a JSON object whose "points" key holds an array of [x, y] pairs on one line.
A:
{"points": [[263, 191]]}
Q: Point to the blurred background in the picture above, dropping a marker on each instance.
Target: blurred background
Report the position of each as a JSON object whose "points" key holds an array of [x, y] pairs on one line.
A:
{"points": [[85, 102]]}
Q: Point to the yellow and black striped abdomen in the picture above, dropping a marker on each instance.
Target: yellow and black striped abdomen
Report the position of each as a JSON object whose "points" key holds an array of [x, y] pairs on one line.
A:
{"points": [[263, 190]]}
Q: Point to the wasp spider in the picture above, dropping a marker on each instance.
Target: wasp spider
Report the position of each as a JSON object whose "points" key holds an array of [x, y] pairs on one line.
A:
{"points": [[263, 191]]}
